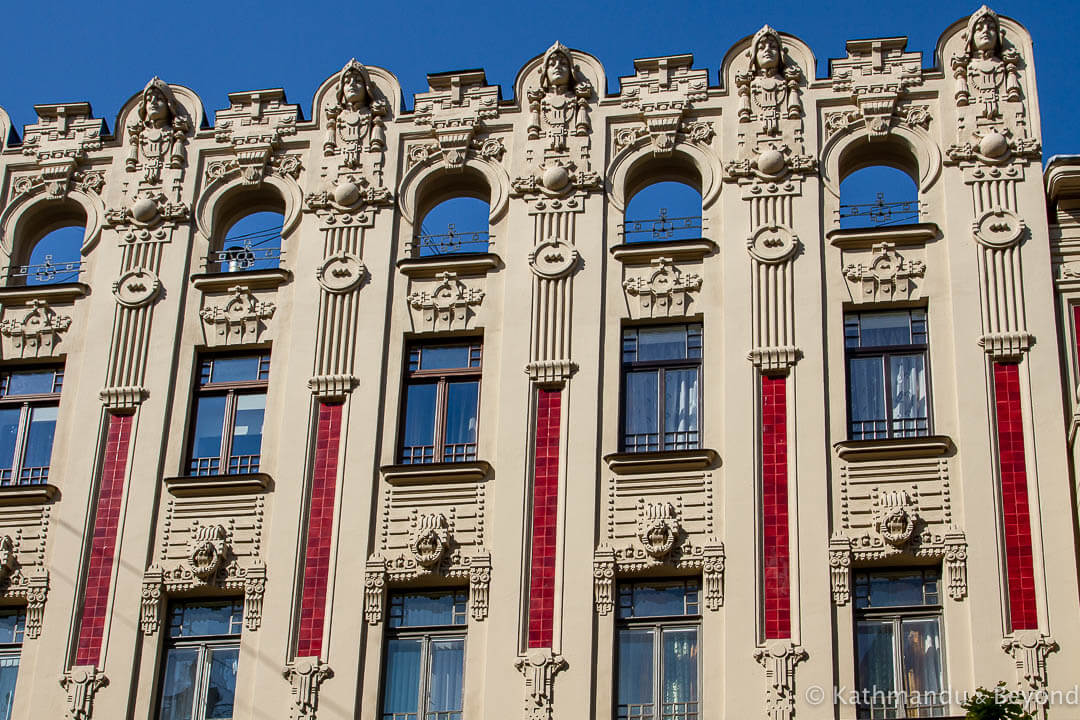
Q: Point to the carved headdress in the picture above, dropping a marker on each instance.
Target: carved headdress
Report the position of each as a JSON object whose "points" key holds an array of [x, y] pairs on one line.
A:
{"points": [[981, 13], [354, 67], [557, 49], [766, 31], [159, 86]]}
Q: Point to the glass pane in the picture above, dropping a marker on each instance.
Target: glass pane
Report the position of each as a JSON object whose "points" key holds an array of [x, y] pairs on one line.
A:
{"points": [[443, 358], [9, 671], [866, 396], [908, 375], [886, 328], [30, 383], [12, 625], [661, 343], [178, 687], [642, 395], [462, 400], [681, 407], [235, 369], [209, 426], [656, 599], [419, 440], [447, 666], [635, 671], [401, 692], [680, 658], [190, 619], [921, 651], [9, 432], [39, 439], [221, 687], [874, 655], [420, 610], [894, 589], [247, 431]]}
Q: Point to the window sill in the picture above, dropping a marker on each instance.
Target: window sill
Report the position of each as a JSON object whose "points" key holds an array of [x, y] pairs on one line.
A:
{"points": [[463, 263], [665, 461], [188, 485], [436, 472], [911, 234], [59, 293], [642, 253], [895, 448], [254, 279], [28, 494]]}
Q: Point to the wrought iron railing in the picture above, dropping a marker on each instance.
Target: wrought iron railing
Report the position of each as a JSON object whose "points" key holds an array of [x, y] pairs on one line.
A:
{"points": [[879, 429], [47, 272], [243, 257], [879, 213], [662, 228], [650, 442], [453, 241]]}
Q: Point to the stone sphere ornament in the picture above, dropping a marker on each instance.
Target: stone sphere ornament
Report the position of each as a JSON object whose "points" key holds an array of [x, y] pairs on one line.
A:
{"points": [[346, 194], [556, 178], [993, 145], [771, 162], [144, 209]]}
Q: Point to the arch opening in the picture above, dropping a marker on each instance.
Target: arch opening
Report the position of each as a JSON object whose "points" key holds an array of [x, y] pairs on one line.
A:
{"points": [[664, 202], [250, 239], [454, 217], [48, 248], [878, 186]]}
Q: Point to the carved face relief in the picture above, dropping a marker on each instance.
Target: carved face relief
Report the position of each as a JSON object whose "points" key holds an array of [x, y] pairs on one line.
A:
{"points": [[658, 529], [984, 36], [155, 107], [557, 71], [352, 88], [429, 543], [767, 53], [7, 558]]}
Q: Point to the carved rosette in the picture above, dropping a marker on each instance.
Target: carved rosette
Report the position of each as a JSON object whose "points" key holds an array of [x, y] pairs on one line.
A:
{"points": [[664, 291], [81, 684], [241, 319], [539, 668], [779, 658], [36, 333], [305, 676], [1029, 649]]}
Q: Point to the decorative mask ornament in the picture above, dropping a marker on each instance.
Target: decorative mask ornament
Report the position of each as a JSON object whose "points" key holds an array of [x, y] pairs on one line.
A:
{"points": [[429, 542], [658, 529], [206, 552], [895, 517]]}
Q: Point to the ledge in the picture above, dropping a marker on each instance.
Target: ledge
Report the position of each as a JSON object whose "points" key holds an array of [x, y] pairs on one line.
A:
{"points": [[188, 485], [913, 234], [59, 293], [436, 472], [464, 263], [894, 449], [28, 494], [666, 461], [642, 253], [254, 279]]}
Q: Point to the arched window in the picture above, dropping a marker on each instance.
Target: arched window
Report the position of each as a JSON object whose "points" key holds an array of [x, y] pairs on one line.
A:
{"points": [[55, 258], [665, 210], [876, 195], [253, 242]]}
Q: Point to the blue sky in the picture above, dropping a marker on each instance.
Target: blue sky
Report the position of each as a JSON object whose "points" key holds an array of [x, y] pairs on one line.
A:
{"points": [[105, 52]]}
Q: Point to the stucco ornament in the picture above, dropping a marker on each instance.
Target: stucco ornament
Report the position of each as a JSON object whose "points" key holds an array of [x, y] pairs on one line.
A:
{"points": [[355, 121], [37, 332], [658, 529], [431, 539], [81, 684], [136, 287], [207, 550], [553, 258], [158, 134], [896, 517], [341, 272], [779, 659], [8, 561], [560, 106], [664, 290], [986, 72], [769, 91], [446, 306], [240, 319], [305, 676], [539, 668], [889, 276], [1029, 649], [772, 244]]}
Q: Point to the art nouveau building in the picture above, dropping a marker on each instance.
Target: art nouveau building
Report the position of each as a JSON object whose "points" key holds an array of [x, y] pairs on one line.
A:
{"points": [[553, 467]]}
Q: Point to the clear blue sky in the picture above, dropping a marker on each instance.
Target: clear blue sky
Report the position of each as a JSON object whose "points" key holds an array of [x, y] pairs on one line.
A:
{"points": [[61, 50]]}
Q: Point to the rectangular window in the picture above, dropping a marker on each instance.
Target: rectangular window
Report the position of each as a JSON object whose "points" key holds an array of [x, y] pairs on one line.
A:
{"points": [[230, 403], [886, 369], [898, 644], [425, 656], [12, 627], [661, 393], [441, 403], [28, 410], [658, 659], [201, 655]]}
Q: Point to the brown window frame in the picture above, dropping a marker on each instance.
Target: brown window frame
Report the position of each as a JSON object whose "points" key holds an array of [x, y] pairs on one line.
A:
{"points": [[441, 377], [231, 390]]}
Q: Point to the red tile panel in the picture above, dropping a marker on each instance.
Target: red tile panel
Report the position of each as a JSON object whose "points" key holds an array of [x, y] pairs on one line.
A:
{"points": [[774, 498], [544, 516], [103, 546], [1014, 497], [319, 531]]}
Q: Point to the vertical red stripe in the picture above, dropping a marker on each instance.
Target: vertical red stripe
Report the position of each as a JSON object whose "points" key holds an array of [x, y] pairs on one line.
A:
{"points": [[103, 546], [774, 499], [544, 516], [1076, 332], [1014, 497], [319, 530]]}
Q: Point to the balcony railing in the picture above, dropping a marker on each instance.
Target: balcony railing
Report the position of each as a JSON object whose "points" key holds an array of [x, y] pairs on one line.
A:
{"points": [[453, 241], [244, 257], [879, 213], [662, 228], [47, 272]]}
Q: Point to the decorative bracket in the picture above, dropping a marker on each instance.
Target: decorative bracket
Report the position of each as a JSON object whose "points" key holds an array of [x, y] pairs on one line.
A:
{"points": [[779, 658], [306, 676], [539, 668], [81, 684], [663, 90], [1029, 649]]}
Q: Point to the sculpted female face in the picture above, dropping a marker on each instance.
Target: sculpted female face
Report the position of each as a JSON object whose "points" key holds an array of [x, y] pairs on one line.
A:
{"points": [[767, 53], [985, 34], [155, 106], [352, 88], [558, 70]]}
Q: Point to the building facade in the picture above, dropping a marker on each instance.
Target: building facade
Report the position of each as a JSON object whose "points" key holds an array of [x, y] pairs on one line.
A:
{"points": [[545, 470]]}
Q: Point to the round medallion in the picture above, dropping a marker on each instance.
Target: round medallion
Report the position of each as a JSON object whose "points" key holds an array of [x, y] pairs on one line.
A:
{"points": [[771, 162], [999, 228], [341, 272], [428, 547], [205, 559], [772, 244], [144, 209], [553, 258], [993, 145], [556, 178], [897, 527], [136, 287], [346, 194]]}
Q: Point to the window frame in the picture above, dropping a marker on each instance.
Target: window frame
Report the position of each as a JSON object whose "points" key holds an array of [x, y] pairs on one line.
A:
{"points": [[13, 649], [205, 645], [441, 378], [896, 615], [426, 634], [626, 368], [27, 403], [886, 353], [231, 390], [657, 624]]}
